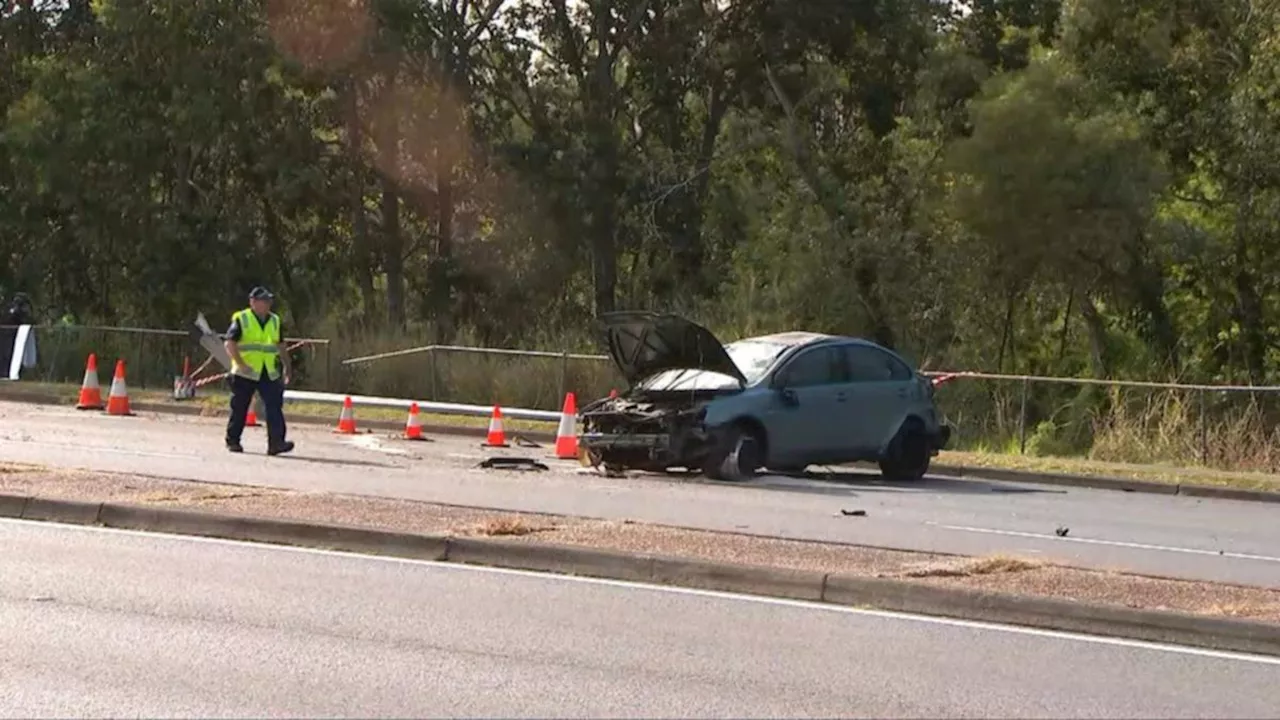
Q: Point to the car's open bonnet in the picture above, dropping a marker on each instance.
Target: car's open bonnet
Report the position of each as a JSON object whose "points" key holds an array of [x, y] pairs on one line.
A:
{"points": [[645, 343]]}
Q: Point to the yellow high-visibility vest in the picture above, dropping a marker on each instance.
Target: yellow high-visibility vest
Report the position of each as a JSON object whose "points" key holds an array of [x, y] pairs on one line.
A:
{"points": [[259, 344]]}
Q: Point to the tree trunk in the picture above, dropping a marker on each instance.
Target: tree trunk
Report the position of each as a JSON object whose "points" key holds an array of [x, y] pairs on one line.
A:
{"points": [[1097, 337], [361, 252], [1248, 303], [393, 254], [440, 288]]}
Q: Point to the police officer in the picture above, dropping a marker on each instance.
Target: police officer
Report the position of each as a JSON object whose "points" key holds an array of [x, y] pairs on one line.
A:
{"points": [[259, 363]]}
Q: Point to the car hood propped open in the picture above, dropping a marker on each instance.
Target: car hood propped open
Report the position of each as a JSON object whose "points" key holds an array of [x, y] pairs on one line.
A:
{"points": [[645, 343]]}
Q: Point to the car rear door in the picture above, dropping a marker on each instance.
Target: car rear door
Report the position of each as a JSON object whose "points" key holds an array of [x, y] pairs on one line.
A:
{"points": [[881, 390], [808, 428]]}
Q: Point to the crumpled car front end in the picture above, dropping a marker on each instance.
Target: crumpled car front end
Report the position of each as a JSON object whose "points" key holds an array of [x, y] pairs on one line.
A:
{"points": [[674, 369], [647, 433]]}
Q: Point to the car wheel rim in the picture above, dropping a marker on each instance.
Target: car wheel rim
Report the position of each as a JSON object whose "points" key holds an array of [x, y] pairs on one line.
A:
{"points": [[733, 463]]}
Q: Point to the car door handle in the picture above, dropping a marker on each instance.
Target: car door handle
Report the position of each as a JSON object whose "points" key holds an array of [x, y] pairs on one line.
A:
{"points": [[840, 397]]}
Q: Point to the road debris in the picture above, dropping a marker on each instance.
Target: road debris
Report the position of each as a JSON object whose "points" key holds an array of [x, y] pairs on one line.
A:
{"points": [[512, 463]]}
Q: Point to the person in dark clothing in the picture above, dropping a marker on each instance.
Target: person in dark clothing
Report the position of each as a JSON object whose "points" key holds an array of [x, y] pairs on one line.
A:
{"points": [[259, 363], [14, 313]]}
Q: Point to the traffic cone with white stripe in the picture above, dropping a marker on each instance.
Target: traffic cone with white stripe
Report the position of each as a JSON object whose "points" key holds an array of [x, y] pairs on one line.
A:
{"points": [[413, 427], [497, 436], [118, 399], [251, 418], [347, 420], [567, 434], [90, 390]]}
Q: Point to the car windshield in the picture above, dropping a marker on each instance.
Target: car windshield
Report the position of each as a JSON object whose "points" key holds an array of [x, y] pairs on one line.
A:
{"points": [[753, 358]]}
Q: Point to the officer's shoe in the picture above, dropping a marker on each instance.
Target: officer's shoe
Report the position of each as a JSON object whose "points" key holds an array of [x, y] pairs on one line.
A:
{"points": [[235, 447], [283, 447]]}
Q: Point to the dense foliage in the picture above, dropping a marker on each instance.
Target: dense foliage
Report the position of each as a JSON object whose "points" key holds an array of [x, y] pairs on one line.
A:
{"points": [[1066, 187]]}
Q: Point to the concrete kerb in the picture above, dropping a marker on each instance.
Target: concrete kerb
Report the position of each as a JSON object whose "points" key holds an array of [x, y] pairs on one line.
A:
{"points": [[834, 588], [951, 471]]}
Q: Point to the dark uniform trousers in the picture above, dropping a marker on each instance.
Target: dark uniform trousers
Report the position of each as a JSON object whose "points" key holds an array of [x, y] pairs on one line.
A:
{"points": [[272, 394]]}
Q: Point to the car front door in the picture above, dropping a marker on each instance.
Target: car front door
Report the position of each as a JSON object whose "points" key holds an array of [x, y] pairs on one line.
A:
{"points": [[881, 388], [804, 418]]}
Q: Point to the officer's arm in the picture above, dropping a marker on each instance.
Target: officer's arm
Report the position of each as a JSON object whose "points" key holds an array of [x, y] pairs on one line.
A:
{"points": [[233, 346], [286, 363]]}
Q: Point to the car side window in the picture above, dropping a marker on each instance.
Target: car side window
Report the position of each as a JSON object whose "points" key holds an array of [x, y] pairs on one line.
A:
{"points": [[867, 364], [819, 366]]}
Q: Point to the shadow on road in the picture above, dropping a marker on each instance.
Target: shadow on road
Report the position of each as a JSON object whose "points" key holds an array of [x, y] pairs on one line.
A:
{"points": [[849, 482], [872, 481], [336, 461]]}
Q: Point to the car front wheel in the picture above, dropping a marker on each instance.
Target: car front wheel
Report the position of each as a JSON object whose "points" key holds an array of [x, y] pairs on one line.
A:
{"points": [[739, 456], [908, 457]]}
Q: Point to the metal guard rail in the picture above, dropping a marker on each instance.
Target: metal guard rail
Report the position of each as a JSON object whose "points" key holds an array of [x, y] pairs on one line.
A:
{"points": [[438, 408]]}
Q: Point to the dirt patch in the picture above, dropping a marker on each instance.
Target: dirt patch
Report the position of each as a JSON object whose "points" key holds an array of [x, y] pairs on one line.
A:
{"points": [[995, 573], [512, 526]]}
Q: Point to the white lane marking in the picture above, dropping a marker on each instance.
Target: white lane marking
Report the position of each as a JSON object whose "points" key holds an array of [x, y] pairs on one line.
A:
{"points": [[672, 590], [102, 448], [1117, 543]]}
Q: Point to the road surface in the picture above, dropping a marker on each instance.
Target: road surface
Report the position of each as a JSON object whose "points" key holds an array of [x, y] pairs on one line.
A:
{"points": [[1163, 535], [103, 623]]}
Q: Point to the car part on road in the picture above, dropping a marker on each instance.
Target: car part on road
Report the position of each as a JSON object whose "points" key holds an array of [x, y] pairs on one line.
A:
{"points": [[782, 401], [512, 463]]}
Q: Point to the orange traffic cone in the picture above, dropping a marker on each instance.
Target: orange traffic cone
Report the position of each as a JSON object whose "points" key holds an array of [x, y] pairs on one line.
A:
{"points": [[567, 435], [497, 436], [347, 420], [412, 427], [118, 399], [251, 418], [90, 390]]}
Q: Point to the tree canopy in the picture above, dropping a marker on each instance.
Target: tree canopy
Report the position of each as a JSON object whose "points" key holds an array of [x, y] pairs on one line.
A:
{"points": [[1033, 186]]}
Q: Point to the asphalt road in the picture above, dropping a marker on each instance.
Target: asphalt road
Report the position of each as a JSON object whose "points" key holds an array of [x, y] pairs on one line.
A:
{"points": [[1200, 538], [101, 623]]}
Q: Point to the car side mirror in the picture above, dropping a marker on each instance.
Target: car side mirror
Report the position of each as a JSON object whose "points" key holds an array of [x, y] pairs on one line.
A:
{"points": [[788, 397]]}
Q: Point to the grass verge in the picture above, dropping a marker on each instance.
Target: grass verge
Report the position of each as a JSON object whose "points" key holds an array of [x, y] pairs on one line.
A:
{"points": [[1039, 577]]}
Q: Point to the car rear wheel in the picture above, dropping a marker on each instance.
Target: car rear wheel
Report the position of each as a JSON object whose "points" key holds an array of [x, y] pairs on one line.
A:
{"points": [[908, 457], [738, 457]]}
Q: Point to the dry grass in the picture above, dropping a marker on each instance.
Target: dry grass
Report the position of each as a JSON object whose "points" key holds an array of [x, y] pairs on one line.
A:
{"points": [[9, 468], [1159, 434], [1095, 468], [968, 567]]}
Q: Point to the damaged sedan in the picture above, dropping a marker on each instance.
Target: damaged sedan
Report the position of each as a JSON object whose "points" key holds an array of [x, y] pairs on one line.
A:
{"points": [[782, 402]]}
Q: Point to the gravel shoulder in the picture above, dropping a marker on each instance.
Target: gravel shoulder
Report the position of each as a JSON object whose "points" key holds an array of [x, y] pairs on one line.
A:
{"points": [[997, 574]]}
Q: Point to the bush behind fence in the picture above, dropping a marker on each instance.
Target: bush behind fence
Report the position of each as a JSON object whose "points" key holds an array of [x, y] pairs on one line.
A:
{"points": [[152, 357]]}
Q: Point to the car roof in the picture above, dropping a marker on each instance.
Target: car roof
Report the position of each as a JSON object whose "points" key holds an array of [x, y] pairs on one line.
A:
{"points": [[797, 338]]}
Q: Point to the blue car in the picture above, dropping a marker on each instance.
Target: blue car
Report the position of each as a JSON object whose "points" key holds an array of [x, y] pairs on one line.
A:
{"points": [[782, 402]]}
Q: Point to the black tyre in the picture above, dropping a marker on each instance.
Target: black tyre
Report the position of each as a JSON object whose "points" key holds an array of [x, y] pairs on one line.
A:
{"points": [[738, 457], [909, 455]]}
